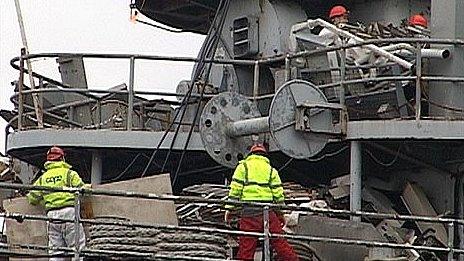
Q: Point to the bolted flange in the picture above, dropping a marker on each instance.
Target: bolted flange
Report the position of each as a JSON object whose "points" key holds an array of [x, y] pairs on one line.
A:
{"points": [[225, 143]]}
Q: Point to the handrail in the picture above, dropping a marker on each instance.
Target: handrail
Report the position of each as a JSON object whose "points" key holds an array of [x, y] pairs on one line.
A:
{"points": [[450, 249], [342, 83]]}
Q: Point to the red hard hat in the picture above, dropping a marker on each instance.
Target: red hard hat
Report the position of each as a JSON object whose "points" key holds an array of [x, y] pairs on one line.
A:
{"points": [[337, 10], [418, 20], [258, 148], [55, 153]]}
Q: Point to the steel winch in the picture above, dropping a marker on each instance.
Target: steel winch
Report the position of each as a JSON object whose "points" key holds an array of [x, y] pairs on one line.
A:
{"points": [[300, 121]]}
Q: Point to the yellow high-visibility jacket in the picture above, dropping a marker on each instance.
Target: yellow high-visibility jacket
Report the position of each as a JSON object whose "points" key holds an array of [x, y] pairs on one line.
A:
{"points": [[256, 180], [58, 174]]}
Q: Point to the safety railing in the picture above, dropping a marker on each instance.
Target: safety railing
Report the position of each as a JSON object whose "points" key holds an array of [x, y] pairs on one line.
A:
{"points": [[451, 250], [286, 60]]}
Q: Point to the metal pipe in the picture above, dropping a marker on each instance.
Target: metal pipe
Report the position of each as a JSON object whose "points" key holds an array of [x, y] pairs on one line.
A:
{"points": [[20, 92], [24, 51], [375, 49], [77, 216], [288, 69], [342, 76], [418, 82], [130, 98], [450, 241], [256, 82], [267, 248], [257, 234], [189, 199], [248, 127], [366, 42], [398, 46], [97, 168], [355, 178], [436, 53], [461, 215]]}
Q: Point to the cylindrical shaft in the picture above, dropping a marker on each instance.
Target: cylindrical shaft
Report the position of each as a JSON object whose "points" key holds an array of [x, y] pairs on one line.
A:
{"points": [[130, 106], [355, 178], [248, 127]]}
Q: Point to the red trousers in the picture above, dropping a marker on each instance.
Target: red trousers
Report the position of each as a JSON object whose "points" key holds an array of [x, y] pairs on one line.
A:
{"points": [[247, 245]]}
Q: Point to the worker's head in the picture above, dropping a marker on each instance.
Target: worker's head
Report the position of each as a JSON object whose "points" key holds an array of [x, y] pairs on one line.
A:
{"points": [[55, 154], [418, 20], [258, 149], [338, 14]]}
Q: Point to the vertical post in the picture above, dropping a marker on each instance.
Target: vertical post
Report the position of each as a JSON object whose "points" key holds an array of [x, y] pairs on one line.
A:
{"points": [[461, 216], [342, 75], [451, 241], [99, 114], [142, 111], [256, 82], [77, 217], [130, 106], [35, 99], [267, 249], [20, 90], [418, 80], [287, 68], [355, 178], [97, 168]]}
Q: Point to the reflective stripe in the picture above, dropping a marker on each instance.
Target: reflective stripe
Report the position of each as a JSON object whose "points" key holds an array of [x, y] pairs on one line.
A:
{"points": [[250, 183]]}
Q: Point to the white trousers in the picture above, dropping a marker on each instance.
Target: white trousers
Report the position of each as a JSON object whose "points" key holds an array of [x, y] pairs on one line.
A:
{"points": [[63, 234]]}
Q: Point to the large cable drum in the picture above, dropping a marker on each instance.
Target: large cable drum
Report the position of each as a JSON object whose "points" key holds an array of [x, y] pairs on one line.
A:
{"points": [[295, 143], [300, 122]]}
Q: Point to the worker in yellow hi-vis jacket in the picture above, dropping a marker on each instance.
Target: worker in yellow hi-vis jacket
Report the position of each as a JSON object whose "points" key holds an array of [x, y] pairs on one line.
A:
{"points": [[256, 180], [58, 204]]}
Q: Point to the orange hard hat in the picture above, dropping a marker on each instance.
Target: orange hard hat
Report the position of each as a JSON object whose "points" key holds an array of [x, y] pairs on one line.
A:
{"points": [[55, 153], [258, 148], [419, 20], [337, 10]]}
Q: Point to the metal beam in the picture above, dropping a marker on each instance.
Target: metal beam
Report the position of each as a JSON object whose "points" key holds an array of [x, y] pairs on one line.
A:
{"points": [[99, 139], [355, 178], [405, 129]]}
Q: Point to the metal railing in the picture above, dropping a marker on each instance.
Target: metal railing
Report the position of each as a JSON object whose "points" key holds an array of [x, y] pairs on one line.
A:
{"points": [[286, 60], [450, 249]]}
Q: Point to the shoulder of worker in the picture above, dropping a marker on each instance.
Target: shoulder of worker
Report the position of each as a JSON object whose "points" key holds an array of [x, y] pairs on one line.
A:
{"points": [[56, 165]]}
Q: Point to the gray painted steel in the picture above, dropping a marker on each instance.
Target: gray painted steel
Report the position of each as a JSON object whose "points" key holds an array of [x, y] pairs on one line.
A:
{"points": [[99, 139], [355, 178], [448, 94], [215, 124], [97, 168], [298, 144], [405, 129]]}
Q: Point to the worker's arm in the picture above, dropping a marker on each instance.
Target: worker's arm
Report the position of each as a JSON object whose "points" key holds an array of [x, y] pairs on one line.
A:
{"points": [[236, 186], [76, 181], [35, 196], [276, 187]]}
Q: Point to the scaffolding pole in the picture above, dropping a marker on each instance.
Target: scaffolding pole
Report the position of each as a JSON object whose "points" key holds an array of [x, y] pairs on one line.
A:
{"points": [[35, 96]]}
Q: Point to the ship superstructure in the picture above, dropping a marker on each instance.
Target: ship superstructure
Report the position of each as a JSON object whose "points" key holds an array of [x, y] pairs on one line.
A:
{"points": [[390, 118]]}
